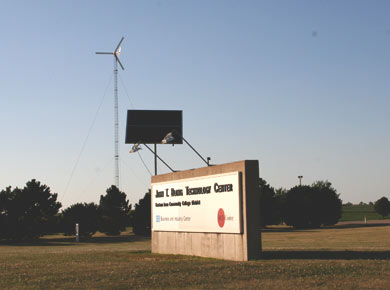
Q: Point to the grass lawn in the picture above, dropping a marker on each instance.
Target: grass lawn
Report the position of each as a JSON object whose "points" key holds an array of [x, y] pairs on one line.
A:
{"points": [[358, 212], [330, 258]]}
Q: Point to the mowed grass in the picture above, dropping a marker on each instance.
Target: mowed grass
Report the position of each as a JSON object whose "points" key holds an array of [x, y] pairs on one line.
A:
{"points": [[330, 258], [358, 212]]}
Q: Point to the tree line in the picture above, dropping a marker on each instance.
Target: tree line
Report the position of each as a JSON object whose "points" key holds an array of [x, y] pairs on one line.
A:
{"points": [[302, 206], [33, 211], [306, 206]]}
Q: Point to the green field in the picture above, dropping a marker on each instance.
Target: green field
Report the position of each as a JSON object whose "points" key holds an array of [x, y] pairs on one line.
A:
{"points": [[329, 258], [358, 212]]}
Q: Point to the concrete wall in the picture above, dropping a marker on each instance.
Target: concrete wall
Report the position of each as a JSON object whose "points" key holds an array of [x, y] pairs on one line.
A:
{"points": [[237, 247]]}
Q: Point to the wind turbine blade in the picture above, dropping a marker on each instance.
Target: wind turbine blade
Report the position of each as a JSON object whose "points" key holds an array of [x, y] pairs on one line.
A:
{"points": [[119, 62], [104, 53], [119, 44]]}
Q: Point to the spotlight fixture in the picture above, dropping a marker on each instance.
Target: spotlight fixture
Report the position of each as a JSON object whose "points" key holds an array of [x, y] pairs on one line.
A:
{"points": [[136, 147], [168, 138]]}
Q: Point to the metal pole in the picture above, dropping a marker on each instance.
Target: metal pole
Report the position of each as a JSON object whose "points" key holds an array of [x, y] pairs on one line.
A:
{"points": [[155, 159], [77, 233], [204, 160], [116, 123], [196, 151], [300, 179], [155, 154]]}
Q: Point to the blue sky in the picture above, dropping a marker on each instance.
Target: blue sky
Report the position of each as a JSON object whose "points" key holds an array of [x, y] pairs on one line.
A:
{"points": [[302, 86]]}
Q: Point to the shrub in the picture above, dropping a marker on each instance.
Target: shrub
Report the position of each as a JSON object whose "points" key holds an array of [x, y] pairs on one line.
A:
{"points": [[382, 206], [312, 206]]}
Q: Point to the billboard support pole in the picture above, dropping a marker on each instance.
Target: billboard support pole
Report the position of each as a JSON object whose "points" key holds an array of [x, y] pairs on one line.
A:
{"points": [[181, 136], [156, 156], [155, 159], [208, 158]]}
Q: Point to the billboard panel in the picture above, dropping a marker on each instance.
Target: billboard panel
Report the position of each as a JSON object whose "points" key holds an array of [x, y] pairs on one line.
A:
{"points": [[151, 126], [204, 204]]}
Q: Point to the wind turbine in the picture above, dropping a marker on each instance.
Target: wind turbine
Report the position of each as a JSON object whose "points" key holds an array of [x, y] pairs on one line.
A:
{"points": [[116, 54]]}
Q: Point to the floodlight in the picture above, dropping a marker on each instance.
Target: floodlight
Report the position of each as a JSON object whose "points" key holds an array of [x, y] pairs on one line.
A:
{"points": [[300, 179], [136, 147], [168, 138]]}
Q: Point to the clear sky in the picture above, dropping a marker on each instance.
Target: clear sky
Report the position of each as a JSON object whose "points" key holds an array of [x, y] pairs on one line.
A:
{"points": [[302, 86]]}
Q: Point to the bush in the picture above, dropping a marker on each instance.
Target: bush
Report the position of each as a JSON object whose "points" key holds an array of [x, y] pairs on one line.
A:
{"points": [[312, 206], [382, 206], [329, 203], [84, 214]]}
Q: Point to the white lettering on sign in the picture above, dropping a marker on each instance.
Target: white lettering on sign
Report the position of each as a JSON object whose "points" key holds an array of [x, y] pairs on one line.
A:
{"points": [[204, 204]]}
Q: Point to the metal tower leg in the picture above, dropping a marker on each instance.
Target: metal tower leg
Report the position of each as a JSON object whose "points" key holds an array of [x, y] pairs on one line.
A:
{"points": [[116, 123]]}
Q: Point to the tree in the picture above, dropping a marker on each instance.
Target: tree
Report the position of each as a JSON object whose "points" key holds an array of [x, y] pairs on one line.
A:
{"points": [[328, 202], [297, 207], [270, 204], [312, 206], [142, 216], [85, 214], [5, 223], [382, 206], [28, 213], [280, 200], [114, 211]]}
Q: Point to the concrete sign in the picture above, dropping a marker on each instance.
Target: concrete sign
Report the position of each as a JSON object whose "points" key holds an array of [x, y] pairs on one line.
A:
{"points": [[204, 204]]}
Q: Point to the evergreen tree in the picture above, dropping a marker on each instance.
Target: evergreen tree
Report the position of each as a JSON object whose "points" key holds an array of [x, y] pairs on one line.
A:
{"points": [[142, 216], [28, 213], [114, 211], [270, 204]]}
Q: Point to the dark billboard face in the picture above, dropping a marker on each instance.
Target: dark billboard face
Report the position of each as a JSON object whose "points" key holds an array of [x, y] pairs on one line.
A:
{"points": [[151, 126]]}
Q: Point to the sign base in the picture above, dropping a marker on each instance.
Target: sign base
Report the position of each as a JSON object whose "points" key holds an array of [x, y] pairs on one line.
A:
{"points": [[243, 245]]}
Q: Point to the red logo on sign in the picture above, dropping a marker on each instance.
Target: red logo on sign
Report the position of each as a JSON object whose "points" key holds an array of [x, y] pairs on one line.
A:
{"points": [[221, 217]]}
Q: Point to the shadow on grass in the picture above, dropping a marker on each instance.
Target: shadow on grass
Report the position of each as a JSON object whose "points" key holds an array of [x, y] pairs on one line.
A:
{"points": [[70, 241], [336, 227], [351, 226], [325, 255], [286, 230], [140, 252]]}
